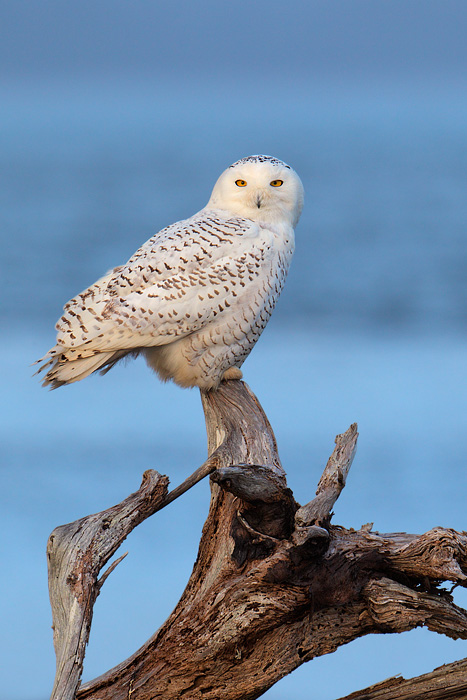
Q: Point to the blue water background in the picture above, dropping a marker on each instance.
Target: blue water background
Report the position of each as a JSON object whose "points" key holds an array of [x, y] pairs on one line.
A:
{"points": [[371, 328]]}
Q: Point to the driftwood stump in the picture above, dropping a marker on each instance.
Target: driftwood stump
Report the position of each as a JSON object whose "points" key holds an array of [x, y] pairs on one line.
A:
{"points": [[274, 584]]}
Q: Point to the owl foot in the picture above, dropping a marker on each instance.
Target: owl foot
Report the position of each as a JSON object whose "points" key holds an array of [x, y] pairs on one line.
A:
{"points": [[232, 373]]}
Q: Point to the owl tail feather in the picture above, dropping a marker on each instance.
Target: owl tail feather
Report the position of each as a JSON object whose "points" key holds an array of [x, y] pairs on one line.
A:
{"points": [[68, 366]]}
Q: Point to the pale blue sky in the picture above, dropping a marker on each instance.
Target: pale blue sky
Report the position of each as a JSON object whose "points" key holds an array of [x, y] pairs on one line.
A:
{"points": [[188, 40]]}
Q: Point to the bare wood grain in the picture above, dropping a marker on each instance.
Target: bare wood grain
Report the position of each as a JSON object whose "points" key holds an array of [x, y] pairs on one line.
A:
{"points": [[76, 554], [448, 682], [332, 481], [275, 585]]}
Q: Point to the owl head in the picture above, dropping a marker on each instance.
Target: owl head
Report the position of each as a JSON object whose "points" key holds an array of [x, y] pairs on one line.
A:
{"points": [[261, 188]]}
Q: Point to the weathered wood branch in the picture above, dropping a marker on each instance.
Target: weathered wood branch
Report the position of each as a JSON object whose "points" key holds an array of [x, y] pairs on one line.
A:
{"points": [[274, 584], [447, 682], [332, 481], [76, 554]]}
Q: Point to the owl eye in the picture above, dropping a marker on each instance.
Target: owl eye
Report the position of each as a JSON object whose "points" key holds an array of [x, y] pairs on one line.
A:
{"points": [[240, 183], [276, 183]]}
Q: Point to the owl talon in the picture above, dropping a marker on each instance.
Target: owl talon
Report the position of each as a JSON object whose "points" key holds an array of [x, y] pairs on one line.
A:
{"points": [[232, 373]]}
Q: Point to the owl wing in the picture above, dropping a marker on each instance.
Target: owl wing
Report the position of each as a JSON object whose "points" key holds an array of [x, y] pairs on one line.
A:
{"points": [[175, 284]]}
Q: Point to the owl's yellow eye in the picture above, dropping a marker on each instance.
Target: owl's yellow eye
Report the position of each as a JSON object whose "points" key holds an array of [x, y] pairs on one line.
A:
{"points": [[240, 183], [276, 183]]}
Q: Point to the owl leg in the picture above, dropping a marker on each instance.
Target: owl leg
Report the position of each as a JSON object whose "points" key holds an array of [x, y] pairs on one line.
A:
{"points": [[232, 373]]}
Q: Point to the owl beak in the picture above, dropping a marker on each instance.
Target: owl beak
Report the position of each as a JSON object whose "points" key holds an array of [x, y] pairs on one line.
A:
{"points": [[259, 199]]}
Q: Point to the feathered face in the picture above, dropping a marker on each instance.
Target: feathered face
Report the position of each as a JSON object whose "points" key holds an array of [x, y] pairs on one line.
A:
{"points": [[261, 188]]}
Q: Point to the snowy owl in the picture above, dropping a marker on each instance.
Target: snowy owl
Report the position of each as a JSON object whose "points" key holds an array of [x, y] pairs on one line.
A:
{"points": [[195, 298]]}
